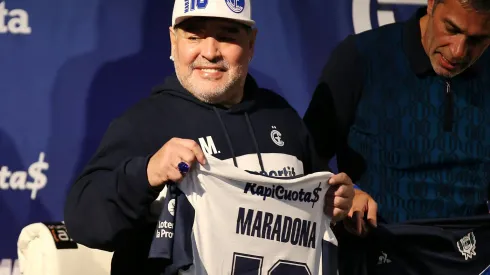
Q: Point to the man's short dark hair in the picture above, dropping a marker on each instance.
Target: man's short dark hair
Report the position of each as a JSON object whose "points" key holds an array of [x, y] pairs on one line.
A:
{"points": [[477, 5]]}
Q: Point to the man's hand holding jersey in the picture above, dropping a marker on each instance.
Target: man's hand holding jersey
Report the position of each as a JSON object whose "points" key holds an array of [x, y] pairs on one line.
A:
{"points": [[164, 165], [339, 197]]}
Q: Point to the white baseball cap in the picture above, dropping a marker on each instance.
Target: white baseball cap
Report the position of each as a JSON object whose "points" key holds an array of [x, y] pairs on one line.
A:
{"points": [[239, 10]]}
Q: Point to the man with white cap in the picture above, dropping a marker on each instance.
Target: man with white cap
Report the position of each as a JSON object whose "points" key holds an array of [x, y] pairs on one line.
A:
{"points": [[213, 105]]}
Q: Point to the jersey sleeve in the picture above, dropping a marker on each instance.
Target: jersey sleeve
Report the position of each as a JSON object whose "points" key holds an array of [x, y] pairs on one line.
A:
{"points": [[172, 237]]}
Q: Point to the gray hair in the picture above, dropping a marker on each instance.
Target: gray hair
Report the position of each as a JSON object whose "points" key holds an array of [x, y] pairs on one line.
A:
{"points": [[477, 5]]}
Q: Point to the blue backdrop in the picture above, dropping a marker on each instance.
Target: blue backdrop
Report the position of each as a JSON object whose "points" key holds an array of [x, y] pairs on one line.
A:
{"points": [[68, 67]]}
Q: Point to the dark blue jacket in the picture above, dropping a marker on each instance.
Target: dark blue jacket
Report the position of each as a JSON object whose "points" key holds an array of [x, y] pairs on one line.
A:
{"points": [[419, 144]]}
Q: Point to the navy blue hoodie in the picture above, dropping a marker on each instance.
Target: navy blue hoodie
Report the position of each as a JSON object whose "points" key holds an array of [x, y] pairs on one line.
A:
{"points": [[109, 207]]}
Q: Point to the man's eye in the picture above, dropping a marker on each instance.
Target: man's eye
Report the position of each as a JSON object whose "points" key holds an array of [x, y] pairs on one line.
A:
{"points": [[451, 29]]}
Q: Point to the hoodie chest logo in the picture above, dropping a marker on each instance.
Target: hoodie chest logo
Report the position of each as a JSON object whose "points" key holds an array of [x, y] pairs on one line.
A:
{"points": [[208, 146], [276, 137]]}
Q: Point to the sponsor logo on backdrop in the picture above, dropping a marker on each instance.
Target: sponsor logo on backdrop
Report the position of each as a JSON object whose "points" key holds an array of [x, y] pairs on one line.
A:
{"points": [[33, 180], [361, 12], [9, 267], [60, 235], [14, 21]]}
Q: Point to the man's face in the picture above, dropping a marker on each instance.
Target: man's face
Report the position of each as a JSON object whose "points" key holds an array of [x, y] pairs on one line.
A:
{"points": [[455, 37], [211, 57]]}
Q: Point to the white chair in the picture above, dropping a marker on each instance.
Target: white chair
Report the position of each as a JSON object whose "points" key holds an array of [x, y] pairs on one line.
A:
{"points": [[46, 249]]}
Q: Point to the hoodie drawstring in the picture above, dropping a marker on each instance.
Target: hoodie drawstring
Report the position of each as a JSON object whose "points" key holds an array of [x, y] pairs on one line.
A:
{"points": [[228, 140], [251, 131]]}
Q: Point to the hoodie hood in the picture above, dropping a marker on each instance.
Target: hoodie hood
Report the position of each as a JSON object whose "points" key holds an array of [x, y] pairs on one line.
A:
{"points": [[172, 86]]}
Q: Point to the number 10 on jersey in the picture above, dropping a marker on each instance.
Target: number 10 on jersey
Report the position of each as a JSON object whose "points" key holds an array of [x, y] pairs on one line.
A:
{"points": [[244, 264]]}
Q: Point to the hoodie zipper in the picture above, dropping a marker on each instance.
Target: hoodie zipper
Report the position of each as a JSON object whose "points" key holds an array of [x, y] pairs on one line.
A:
{"points": [[448, 108]]}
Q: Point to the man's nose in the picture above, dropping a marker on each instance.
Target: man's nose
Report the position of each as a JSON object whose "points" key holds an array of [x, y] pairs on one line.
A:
{"points": [[210, 48], [459, 48]]}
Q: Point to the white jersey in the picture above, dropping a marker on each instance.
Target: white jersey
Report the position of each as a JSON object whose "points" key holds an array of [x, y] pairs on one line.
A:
{"points": [[245, 223]]}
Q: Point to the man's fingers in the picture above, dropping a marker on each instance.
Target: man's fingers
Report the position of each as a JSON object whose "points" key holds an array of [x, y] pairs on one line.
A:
{"points": [[345, 191], [185, 155], [174, 175], [372, 211], [195, 148], [342, 203], [200, 156], [358, 205], [359, 221], [340, 178], [357, 214], [338, 202], [351, 212], [338, 214]]}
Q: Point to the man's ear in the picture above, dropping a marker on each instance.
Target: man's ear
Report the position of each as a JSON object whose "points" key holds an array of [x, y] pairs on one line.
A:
{"points": [[173, 40], [430, 7]]}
